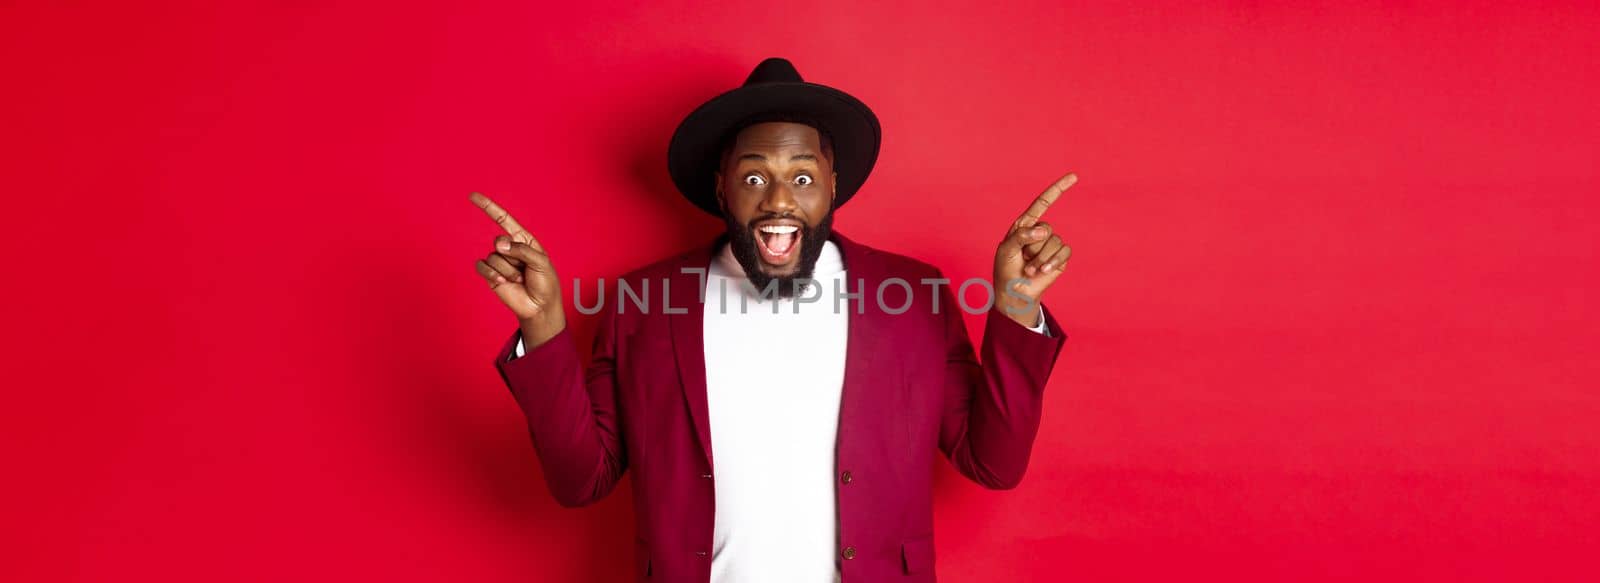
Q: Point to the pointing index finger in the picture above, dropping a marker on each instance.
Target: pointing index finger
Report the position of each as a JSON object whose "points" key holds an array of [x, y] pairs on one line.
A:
{"points": [[504, 219], [1045, 199]]}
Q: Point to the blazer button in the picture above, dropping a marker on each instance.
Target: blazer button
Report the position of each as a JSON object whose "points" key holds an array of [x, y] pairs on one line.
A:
{"points": [[846, 477], [706, 476], [849, 553]]}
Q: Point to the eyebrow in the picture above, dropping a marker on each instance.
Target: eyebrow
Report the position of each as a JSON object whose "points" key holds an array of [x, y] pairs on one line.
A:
{"points": [[760, 158]]}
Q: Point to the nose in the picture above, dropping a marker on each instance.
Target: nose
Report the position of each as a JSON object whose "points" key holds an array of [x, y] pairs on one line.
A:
{"points": [[779, 200]]}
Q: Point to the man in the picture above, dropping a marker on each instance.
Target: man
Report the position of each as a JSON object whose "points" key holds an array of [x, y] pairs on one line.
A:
{"points": [[778, 354]]}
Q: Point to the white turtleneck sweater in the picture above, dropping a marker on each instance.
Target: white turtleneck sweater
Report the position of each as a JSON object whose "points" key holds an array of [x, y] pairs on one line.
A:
{"points": [[773, 382]]}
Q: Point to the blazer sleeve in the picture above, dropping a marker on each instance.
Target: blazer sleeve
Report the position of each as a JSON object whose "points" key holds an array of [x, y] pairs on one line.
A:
{"points": [[572, 412], [992, 408]]}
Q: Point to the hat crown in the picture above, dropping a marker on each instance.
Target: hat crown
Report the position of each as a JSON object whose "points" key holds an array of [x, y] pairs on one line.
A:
{"points": [[774, 70]]}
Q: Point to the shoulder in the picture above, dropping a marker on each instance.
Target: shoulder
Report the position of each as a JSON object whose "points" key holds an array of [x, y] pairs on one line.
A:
{"points": [[638, 300], [670, 266], [888, 263]]}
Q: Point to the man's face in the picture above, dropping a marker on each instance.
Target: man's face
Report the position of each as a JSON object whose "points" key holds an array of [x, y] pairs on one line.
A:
{"points": [[776, 187]]}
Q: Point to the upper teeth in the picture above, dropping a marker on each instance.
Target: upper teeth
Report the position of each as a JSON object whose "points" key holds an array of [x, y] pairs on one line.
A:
{"points": [[779, 229]]}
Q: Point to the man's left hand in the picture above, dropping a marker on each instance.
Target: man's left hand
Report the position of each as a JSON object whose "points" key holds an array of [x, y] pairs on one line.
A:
{"points": [[1030, 258]]}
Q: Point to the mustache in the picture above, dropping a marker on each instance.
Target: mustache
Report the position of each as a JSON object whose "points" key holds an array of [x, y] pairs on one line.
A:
{"points": [[773, 216]]}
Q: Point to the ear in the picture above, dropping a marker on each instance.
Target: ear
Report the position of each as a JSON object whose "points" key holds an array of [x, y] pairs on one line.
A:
{"points": [[722, 202]]}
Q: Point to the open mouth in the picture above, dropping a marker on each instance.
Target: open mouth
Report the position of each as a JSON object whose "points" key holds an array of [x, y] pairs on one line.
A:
{"points": [[779, 241]]}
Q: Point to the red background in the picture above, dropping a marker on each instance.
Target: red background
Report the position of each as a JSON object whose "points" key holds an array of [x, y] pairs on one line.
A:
{"points": [[1330, 308]]}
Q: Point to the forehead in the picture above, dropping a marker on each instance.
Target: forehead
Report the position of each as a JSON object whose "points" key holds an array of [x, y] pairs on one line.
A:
{"points": [[779, 135]]}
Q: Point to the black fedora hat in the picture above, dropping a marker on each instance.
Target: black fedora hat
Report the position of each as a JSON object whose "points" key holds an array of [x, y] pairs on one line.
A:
{"points": [[774, 87]]}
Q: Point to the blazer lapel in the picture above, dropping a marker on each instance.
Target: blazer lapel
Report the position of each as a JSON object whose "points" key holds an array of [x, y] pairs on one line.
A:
{"points": [[866, 354], [688, 337]]}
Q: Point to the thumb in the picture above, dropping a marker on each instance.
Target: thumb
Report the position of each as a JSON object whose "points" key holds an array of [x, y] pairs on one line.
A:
{"points": [[514, 296]]}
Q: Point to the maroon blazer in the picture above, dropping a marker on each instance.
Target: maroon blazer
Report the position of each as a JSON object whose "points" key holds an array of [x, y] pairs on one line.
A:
{"points": [[911, 385]]}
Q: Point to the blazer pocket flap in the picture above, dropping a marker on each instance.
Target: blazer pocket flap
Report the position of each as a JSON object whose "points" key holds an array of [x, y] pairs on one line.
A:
{"points": [[641, 559], [917, 555]]}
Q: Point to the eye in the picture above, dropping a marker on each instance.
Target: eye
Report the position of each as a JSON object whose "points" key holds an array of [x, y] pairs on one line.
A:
{"points": [[803, 180], [754, 180]]}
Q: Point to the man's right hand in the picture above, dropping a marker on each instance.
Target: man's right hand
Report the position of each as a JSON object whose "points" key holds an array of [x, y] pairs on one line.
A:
{"points": [[519, 271]]}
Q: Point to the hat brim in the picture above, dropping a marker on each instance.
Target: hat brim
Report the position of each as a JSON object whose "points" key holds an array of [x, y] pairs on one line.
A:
{"points": [[693, 157]]}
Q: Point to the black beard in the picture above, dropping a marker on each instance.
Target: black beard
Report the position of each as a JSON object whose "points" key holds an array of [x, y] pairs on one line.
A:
{"points": [[747, 251]]}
